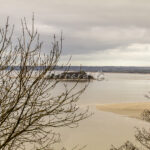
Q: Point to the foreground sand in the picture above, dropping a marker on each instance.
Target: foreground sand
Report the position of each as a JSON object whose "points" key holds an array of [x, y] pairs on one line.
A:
{"points": [[133, 110]]}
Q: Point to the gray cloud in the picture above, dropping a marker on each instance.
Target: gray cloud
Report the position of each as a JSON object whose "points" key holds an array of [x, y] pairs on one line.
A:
{"points": [[89, 26]]}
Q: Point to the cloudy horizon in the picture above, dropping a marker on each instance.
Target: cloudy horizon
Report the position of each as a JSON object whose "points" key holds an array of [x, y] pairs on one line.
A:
{"points": [[96, 32]]}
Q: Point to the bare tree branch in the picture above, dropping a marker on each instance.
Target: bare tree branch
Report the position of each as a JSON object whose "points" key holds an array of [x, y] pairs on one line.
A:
{"points": [[29, 109]]}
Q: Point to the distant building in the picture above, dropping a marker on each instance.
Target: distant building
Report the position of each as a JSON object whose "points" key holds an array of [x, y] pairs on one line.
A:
{"points": [[71, 75]]}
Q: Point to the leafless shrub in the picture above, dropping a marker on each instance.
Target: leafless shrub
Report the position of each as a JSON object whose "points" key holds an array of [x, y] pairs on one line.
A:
{"points": [[141, 135], [127, 146], [146, 115]]}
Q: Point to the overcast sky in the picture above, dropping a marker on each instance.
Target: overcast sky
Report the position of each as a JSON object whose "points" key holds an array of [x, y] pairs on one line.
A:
{"points": [[96, 32]]}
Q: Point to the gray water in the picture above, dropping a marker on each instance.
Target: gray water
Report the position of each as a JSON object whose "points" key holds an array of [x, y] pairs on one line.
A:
{"points": [[103, 129]]}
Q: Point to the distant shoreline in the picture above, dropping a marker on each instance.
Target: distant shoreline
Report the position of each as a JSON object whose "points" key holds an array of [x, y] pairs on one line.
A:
{"points": [[109, 69], [104, 69]]}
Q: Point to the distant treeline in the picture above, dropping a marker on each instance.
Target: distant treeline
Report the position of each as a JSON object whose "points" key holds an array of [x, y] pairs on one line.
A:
{"points": [[113, 69]]}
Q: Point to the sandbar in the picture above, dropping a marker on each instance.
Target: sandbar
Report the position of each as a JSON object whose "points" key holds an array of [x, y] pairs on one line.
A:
{"points": [[133, 110]]}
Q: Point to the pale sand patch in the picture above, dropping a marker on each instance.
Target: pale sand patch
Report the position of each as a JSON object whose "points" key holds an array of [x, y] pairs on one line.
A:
{"points": [[133, 110]]}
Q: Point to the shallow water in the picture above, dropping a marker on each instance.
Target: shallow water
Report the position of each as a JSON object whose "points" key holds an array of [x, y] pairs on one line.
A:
{"points": [[104, 128]]}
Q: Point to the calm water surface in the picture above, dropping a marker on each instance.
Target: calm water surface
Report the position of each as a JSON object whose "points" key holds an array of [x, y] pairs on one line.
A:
{"points": [[104, 128]]}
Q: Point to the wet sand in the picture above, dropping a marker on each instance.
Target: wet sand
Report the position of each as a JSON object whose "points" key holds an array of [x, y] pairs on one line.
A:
{"points": [[133, 110]]}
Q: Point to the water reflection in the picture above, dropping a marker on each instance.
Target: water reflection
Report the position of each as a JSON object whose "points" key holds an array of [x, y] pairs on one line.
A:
{"points": [[103, 128]]}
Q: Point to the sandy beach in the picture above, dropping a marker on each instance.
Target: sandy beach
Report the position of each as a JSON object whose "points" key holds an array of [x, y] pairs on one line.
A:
{"points": [[133, 110]]}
